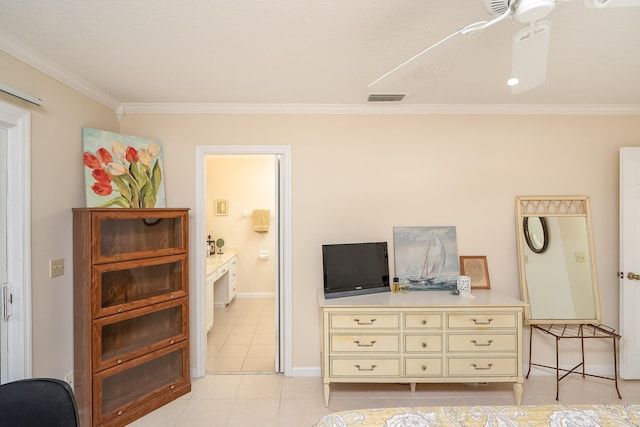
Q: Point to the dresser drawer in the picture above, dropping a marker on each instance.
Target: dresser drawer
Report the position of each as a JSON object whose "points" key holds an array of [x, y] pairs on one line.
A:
{"points": [[481, 321], [369, 367], [423, 321], [365, 343], [481, 342], [423, 367], [423, 343], [365, 321], [482, 366]]}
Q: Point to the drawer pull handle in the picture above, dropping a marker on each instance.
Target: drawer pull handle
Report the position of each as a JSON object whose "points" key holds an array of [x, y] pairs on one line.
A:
{"points": [[424, 345], [424, 367], [477, 344], [424, 322], [119, 361], [172, 387], [120, 412], [489, 365], [370, 322], [477, 322], [364, 345], [365, 369]]}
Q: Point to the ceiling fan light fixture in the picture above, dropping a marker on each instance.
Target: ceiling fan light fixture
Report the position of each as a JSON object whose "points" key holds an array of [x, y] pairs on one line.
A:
{"points": [[532, 10]]}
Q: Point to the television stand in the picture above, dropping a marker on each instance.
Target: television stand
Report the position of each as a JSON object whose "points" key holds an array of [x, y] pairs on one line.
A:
{"points": [[422, 337]]}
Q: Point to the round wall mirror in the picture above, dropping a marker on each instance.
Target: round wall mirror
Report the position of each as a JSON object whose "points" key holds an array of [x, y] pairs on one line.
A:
{"points": [[536, 233]]}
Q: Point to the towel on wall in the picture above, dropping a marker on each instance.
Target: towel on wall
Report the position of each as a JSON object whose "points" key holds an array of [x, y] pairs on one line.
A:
{"points": [[261, 220]]}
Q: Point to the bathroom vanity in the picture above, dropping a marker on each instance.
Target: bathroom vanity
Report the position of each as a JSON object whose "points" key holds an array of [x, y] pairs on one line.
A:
{"points": [[221, 281]]}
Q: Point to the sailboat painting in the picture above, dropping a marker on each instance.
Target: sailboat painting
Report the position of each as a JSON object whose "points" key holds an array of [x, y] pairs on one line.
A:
{"points": [[427, 257]]}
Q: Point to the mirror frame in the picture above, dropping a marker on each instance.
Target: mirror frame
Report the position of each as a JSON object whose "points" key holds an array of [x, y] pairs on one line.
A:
{"points": [[554, 206], [527, 234]]}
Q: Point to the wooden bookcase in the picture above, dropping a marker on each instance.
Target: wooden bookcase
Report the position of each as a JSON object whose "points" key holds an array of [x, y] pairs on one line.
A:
{"points": [[131, 312]]}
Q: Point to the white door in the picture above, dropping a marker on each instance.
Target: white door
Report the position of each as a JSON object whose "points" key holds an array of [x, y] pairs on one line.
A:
{"points": [[630, 262], [15, 259], [4, 366]]}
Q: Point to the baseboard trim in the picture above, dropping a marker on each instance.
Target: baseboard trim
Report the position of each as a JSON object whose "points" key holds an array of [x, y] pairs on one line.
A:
{"points": [[256, 295], [306, 372]]}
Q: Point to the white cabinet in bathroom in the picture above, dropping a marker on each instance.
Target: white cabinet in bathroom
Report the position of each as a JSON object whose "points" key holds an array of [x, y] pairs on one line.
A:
{"points": [[209, 301], [221, 282], [225, 286]]}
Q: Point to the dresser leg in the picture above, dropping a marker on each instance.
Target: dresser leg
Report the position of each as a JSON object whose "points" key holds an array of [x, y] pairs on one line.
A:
{"points": [[413, 387], [326, 394], [517, 392]]}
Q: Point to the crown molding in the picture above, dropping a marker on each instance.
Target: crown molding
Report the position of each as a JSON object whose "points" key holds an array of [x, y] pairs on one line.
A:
{"points": [[24, 53], [395, 109]]}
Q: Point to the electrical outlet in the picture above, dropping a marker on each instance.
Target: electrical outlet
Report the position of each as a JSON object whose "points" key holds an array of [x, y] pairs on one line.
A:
{"points": [[581, 257], [56, 267]]}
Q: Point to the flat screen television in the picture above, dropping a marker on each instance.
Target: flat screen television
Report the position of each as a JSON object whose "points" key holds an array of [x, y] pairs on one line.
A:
{"points": [[355, 269]]}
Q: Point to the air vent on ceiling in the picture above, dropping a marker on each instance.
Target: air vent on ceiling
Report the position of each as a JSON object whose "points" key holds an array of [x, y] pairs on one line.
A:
{"points": [[385, 98]]}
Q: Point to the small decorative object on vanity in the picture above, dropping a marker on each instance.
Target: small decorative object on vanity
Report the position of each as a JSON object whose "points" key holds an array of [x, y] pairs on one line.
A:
{"points": [[211, 245], [219, 244]]}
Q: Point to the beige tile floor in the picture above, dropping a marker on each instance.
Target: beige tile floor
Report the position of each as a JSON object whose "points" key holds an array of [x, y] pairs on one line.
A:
{"points": [[267, 400], [243, 337], [244, 392]]}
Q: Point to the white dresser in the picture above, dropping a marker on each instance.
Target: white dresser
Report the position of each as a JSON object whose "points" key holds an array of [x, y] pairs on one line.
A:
{"points": [[422, 337]]}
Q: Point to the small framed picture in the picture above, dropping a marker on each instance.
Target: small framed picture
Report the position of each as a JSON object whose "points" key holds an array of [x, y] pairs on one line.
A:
{"points": [[476, 268], [222, 207]]}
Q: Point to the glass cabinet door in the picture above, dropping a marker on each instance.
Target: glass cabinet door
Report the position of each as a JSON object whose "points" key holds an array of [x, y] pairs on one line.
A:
{"points": [[125, 387], [131, 284], [127, 335], [144, 233]]}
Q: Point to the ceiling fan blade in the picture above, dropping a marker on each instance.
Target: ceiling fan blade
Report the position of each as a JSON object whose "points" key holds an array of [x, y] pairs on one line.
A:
{"points": [[529, 60], [601, 4], [470, 31]]}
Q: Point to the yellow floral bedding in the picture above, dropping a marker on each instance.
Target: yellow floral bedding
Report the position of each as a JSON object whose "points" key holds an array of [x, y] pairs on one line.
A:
{"points": [[502, 416]]}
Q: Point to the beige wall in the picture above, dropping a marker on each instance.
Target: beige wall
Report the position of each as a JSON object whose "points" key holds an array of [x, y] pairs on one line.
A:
{"points": [[353, 178], [57, 185], [247, 182]]}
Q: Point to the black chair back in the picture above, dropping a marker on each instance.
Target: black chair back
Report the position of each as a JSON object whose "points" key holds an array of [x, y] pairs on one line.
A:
{"points": [[37, 402]]}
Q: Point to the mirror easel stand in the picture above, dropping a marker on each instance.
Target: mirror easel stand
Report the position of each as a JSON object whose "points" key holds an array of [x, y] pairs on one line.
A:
{"points": [[555, 241]]}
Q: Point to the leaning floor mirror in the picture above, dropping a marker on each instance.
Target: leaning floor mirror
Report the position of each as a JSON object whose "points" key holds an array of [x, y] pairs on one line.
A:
{"points": [[556, 258]]}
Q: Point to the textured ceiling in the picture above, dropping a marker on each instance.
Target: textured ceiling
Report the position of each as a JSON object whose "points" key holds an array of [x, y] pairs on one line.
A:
{"points": [[320, 52]]}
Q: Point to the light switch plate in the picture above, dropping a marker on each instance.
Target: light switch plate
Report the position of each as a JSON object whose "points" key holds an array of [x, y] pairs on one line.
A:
{"points": [[56, 267]]}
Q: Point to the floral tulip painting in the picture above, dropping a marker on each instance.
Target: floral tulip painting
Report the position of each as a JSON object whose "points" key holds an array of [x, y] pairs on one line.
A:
{"points": [[122, 171]]}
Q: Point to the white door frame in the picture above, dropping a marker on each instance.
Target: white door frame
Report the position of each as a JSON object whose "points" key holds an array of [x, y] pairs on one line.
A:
{"points": [[283, 292], [17, 123]]}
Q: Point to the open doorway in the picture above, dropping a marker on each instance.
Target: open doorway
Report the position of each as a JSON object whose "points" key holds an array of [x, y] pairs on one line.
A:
{"points": [[280, 219], [240, 208]]}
